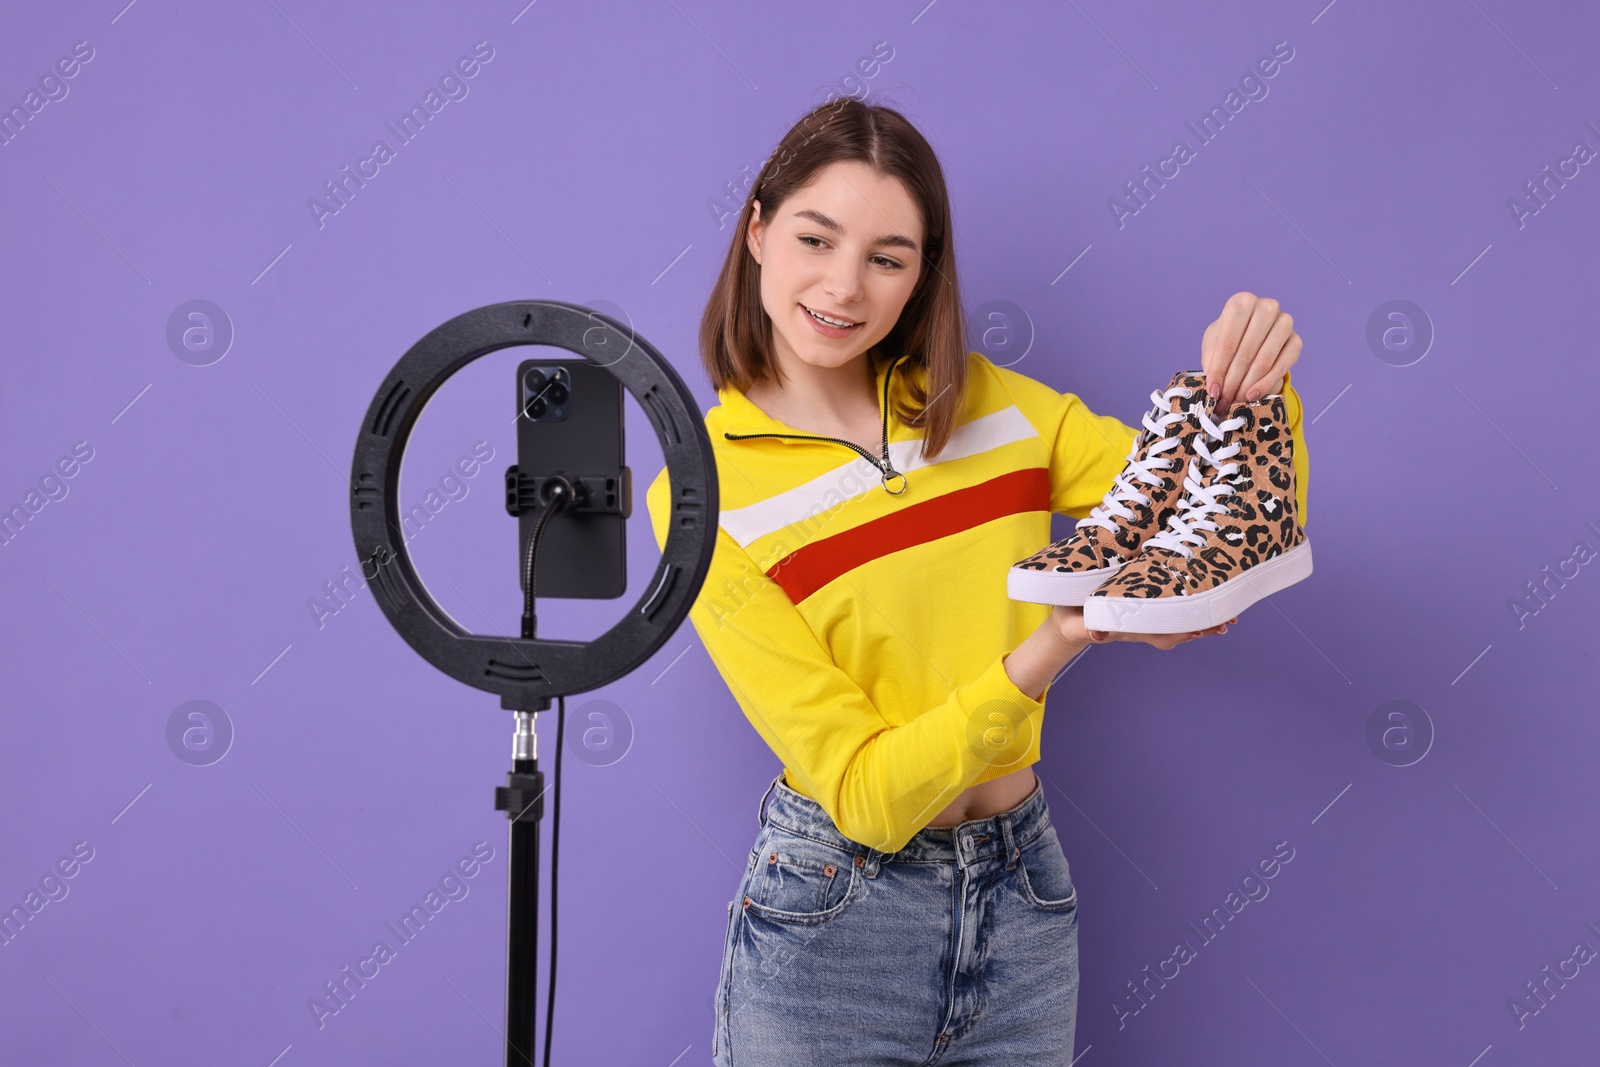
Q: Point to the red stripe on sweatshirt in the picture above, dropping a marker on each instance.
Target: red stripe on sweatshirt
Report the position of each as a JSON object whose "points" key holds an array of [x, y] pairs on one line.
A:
{"points": [[812, 566]]}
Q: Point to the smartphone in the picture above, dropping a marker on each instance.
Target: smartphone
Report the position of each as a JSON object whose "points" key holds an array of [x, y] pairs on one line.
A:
{"points": [[569, 421]]}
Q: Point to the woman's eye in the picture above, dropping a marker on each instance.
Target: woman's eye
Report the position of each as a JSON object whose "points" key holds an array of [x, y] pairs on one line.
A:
{"points": [[882, 261]]}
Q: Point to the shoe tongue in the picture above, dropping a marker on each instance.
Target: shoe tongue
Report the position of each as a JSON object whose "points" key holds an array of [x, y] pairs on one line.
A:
{"points": [[1207, 475], [1192, 397]]}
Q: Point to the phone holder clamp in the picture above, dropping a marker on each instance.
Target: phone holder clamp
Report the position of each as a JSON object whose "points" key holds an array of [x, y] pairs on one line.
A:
{"points": [[591, 492]]}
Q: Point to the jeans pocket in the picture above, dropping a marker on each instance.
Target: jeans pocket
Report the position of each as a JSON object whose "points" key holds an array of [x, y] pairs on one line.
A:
{"points": [[800, 880], [1043, 874]]}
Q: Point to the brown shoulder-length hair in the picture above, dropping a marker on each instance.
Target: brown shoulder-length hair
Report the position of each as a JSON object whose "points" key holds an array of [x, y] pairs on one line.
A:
{"points": [[735, 331]]}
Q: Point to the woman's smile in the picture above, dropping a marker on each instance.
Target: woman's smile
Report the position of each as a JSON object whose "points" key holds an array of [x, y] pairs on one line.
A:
{"points": [[824, 328]]}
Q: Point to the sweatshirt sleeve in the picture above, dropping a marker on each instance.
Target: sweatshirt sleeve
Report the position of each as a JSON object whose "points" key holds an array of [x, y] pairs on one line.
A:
{"points": [[879, 783], [1296, 416]]}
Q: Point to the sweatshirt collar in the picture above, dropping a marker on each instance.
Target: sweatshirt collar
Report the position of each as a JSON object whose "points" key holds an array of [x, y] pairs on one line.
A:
{"points": [[737, 413]]}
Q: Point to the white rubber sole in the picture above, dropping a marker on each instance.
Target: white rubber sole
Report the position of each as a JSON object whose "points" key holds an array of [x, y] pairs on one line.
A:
{"points": [[1200, 611], [1065, 588]]}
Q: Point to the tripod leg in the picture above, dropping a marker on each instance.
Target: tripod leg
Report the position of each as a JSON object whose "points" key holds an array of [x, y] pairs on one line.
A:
{"points": [[522, 973], [522, 799]]}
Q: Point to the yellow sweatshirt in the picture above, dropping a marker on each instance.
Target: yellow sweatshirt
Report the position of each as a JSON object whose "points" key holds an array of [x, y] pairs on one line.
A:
{"points": [[864, 634]]}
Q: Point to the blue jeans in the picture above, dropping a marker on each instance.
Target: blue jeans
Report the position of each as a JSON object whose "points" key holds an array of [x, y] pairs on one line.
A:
{"points": [[959, 949]]}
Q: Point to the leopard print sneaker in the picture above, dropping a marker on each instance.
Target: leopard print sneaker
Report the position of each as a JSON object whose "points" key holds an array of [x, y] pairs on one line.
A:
{"points": [[1235, 539], [1070, 569]]}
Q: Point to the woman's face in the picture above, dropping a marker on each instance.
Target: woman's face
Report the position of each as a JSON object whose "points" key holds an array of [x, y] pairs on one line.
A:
{"points": [[848, 245]]}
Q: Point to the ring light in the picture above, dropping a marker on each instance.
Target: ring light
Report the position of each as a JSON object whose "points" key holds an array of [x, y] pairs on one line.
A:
{"points": [[528, 673]]}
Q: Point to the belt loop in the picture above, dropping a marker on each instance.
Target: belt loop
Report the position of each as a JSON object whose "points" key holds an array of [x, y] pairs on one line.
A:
{"points": [[761, 808], [1012, 851], [870, 860]]}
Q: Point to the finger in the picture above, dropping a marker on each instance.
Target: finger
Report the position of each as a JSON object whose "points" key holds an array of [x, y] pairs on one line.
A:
{"points": [[1248, 351], [1270, 365], [1234, 318], [1248, 356], [1208, 343], [1277, 376]]}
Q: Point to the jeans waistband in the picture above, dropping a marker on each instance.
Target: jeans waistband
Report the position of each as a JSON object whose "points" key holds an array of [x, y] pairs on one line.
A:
{"points": [[965, 844]]}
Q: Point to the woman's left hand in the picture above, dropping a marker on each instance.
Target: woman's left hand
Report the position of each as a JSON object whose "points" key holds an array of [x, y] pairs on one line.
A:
{"points": [[1248, 351]]}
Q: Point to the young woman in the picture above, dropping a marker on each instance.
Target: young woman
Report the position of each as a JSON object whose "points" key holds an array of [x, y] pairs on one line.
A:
{"points": [[907, 900]]}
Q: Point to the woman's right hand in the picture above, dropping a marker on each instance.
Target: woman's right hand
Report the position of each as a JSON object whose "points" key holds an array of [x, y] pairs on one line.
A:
{"points": [[1069, 621]]}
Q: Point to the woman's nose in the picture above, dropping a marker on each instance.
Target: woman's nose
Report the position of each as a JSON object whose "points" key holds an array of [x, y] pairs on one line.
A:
{"points": [[843, 284]]}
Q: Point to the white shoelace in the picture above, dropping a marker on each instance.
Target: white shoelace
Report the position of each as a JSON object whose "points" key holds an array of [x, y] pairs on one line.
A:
{"points": [[1201, 500], [1124, 489]]}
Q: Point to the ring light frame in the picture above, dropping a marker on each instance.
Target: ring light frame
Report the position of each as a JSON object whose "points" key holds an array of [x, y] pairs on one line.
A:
{"points": [[528, 673]]}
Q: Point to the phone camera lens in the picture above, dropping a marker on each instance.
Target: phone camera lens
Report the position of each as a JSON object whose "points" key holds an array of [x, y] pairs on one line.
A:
{"points": [[557, 393], [536, 388]]}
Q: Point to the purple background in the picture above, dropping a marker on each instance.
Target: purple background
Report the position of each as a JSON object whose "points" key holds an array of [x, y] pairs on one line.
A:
{"points": [[587, 163]]}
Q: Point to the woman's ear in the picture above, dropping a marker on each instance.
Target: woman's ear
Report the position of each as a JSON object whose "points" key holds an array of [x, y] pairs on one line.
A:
{"points": [[753, 236]]}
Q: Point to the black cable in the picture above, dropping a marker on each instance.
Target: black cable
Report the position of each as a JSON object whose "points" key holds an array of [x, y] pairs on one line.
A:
{"points": [[561, 496]]}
